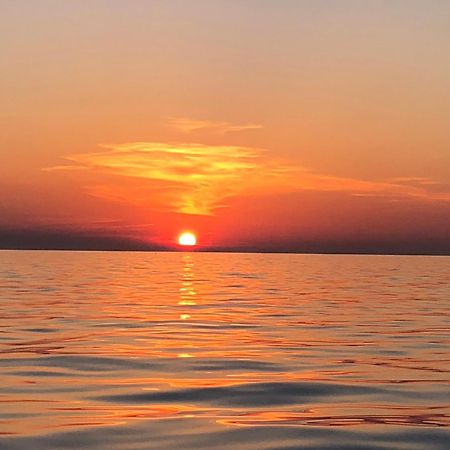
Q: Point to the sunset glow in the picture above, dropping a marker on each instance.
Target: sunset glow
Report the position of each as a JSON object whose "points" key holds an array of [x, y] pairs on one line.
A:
{"points": [[287, 134], [220, 221], [187, 238]]}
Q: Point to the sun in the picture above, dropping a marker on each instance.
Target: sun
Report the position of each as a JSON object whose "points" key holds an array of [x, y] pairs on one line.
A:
{"points": [[187, 238]]}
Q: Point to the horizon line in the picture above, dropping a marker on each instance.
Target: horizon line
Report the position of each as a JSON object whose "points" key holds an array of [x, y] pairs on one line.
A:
{"points": [[215, 250]]}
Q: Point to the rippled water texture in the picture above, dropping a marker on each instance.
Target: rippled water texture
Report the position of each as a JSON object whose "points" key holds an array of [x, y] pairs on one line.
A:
{"points": [[241, 351]]}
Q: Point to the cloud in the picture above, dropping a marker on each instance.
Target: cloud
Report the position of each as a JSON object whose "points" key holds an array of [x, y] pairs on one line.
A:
{"points": [[186, 125], [200, 179], [187, 178]]}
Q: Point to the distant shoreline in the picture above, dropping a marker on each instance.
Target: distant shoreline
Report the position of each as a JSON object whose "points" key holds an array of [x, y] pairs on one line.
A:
{"points": [[232, 251]]}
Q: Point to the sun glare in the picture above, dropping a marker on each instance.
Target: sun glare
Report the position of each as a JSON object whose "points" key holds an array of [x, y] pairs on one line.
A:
{"points": [[187, 238]]}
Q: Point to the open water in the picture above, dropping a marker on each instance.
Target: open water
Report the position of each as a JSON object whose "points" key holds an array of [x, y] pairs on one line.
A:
{"points": [[223, 351]]}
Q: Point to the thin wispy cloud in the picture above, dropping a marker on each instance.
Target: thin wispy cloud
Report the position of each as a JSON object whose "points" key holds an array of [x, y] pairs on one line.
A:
{"points": [[200, 179], [186, 125], [86, 223], [187, 178]]}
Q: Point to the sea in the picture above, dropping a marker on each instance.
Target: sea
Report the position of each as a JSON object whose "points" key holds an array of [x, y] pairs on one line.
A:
{"points": [[192, 350]]}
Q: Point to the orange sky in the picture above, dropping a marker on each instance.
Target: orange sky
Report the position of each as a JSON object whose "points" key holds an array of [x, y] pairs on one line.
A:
{"points": [[290, 125]]}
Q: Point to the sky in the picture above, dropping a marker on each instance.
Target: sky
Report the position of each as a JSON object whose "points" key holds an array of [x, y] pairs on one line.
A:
{"points": [[260, 125]]}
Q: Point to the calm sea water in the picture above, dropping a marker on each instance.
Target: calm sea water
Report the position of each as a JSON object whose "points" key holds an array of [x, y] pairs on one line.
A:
{"points": [[223, 351]]}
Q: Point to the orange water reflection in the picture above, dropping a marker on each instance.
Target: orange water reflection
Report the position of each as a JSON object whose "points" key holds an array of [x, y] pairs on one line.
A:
{"points": [[245, 340]]}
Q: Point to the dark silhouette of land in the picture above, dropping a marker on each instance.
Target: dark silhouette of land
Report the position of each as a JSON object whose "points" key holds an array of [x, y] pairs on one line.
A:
{"points": [[60, 239]]}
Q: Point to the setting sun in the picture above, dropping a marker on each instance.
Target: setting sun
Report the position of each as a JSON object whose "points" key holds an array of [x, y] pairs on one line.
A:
{"points": [[187, 238]]}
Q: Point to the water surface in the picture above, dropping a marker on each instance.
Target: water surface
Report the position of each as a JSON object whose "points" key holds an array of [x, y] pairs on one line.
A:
{"points": [[243, 351]]}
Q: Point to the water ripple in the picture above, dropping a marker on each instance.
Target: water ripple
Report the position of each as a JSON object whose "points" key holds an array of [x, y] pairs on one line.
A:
{"points": [[259, 352]]}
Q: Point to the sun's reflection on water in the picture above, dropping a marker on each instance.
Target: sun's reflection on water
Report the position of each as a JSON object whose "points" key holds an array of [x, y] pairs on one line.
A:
{"points": [[187, 290]]}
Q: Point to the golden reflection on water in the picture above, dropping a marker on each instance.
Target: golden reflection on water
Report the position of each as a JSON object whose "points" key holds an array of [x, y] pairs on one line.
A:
{"points": [[187, 290], [244, 340]]}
